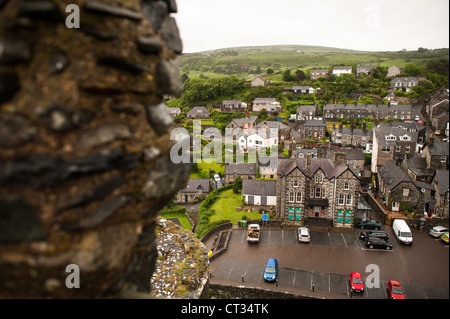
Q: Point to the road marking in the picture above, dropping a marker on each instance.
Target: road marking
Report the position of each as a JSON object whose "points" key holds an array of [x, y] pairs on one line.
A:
{"points": [[330, 239], [231, 269], [344, 239]]}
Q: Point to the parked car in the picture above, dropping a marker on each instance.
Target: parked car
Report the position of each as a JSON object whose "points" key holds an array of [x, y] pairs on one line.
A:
{"points": [[395, 290], [402, 231], [417, 118], [271, 270], [304, 235], [438, 231], [437, 132], [369, 224], [445, 139], [373, 242], [374, 233], [444, 238], [356, 282]]}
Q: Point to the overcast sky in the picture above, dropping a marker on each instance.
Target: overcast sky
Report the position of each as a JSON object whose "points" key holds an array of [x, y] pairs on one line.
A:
{"points": [[373, 25]]}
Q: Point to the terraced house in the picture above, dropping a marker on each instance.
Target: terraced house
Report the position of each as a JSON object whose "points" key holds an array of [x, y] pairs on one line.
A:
{"points": [[317, 189], [376, 111]]}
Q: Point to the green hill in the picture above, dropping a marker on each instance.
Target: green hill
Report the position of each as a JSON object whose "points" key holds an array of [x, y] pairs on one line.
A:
{"points": [[245, 61]]}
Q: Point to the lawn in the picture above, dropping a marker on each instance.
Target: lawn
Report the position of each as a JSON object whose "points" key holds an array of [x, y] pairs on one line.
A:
{"points": [[225, 208], [185, 223]]}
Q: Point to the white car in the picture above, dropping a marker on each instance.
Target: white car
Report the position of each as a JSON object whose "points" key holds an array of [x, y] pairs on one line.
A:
{"points": [[438, 231], [417, 118], [304, 235]]}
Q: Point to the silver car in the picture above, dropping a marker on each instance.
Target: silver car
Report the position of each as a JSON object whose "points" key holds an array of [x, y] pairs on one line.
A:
{"points": [[438, 231], [304, 235]]}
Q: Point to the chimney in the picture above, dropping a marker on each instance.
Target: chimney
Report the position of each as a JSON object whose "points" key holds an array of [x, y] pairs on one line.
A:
{"points": [[321, 150], [340, 127], [308, 163], [246, 114], [340, 157], [364, 125]]}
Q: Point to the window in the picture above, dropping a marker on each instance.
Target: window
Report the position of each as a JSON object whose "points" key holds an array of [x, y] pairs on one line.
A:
{"points": [[349, 199], [443, 159], [291, 197], [390, 138], [324, 194], [295, 183], [407, 148], [346, 186], [398, 148], [311, 193], [405, 192], [321, 179], [386, 149], [341, 199], [299, 197], [318, 192], [316, 179]]}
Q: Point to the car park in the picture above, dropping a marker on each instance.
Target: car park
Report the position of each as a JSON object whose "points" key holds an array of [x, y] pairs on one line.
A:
{"points": [[356, 282], [374, 233], [444, 238], [369, 224], [373, 242], [395, 290], [271, 270], [438, 231], [304, 235]]}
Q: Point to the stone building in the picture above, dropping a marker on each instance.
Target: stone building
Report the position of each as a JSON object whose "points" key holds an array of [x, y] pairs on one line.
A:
{"points": [[391, 143], [349, 136], [317, 189], [195, 188], [441, 184], [244, 170], [436, 155], [84, 145], [382, 112]]}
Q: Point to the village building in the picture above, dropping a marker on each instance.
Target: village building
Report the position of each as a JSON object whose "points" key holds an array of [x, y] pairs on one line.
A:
{"points": [[198, 112], [174, 111], [317, 189], [315, 74], [306, 112], [195, 188], [364, 69], [405, 83], [260, 193], [393, 71], [349, 136], [233, 106], [298, 90], [339, 70], [381, 112], [243, 170], [270, 104], [436, 155], [441, 184], [391, 143], [258, 81]]}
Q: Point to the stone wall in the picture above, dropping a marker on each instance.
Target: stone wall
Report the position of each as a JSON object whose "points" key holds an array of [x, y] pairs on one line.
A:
{"points": [[84, 144]]}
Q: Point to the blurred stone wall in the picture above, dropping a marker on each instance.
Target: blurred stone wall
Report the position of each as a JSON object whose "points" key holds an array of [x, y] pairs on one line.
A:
{"points": [[84, 144]]}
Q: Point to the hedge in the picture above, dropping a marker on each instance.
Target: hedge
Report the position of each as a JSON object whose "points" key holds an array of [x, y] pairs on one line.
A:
{"points": [[203, 224]]}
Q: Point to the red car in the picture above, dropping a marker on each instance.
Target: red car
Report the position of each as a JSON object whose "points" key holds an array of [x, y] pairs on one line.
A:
{"points": [[356, 282], [395, 290]]}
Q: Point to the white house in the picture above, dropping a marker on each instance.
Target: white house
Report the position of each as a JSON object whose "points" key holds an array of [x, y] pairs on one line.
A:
{"points": [[339, 70], [260, 192], [256, 141]]}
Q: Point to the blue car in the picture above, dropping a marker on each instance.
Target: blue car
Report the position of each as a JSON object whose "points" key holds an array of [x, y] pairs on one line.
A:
{"points": [[271, 270]]}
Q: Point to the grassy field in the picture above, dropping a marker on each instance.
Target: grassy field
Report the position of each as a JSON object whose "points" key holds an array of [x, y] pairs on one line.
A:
{"points": [[225, 208], [185, 223], [245, 60]]}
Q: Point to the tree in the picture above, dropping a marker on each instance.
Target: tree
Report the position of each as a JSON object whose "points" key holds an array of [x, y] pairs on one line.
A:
{"points": [[287, 77], [411, 69], [270, 71], [300, 75], [237, 185]]}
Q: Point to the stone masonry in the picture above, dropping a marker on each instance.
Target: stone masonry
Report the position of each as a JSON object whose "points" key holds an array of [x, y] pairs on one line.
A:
{"points": [[84, 144]]}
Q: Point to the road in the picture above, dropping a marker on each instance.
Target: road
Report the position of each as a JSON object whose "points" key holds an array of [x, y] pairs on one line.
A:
{"points": [[326, 262]]}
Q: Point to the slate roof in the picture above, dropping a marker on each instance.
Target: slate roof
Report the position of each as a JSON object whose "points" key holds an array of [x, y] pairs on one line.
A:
{"points": [[202, 109], [313, 123], [367, 107], [418, 165], [259, 187], [193, 184], [240, 121], [351, 154], [382, 131], [330, 169], [392, 175], [241, 169], [356, 131], [442, 182], [439, 149], [272, 124]]}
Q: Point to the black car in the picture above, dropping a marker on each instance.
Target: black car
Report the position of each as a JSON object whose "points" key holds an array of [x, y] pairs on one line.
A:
{"points": [[373, 242], [369, 224], [374, 233]]}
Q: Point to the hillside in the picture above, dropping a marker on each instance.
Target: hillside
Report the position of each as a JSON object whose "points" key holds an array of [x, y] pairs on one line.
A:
{"points": [[243, 61]]}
